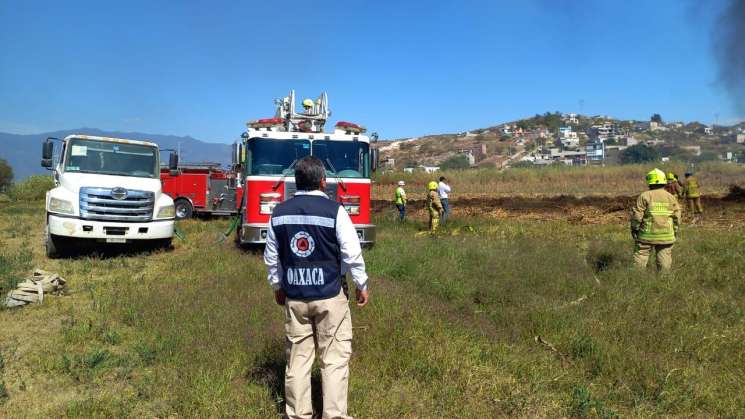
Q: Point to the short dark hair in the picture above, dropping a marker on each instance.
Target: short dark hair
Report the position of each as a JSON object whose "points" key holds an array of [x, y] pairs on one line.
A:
{"points": [[309, 172], [442, 178]]}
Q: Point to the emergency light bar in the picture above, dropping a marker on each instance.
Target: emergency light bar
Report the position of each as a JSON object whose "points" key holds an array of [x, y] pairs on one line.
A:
{"points": [[266, 123], [350, 127]]}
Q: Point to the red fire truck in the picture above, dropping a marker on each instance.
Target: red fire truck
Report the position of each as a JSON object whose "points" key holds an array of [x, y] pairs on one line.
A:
{"points": [[203, 188], [270, 149]]}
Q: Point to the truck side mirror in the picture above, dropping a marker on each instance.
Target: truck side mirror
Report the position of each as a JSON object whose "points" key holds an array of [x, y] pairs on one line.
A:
{"points": [[374, 159], [173, 164], [47, 153], [173, 161]]}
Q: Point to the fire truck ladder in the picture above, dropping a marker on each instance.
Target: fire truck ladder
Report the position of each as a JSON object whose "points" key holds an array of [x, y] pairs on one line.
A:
{"points": [[312, 119]]}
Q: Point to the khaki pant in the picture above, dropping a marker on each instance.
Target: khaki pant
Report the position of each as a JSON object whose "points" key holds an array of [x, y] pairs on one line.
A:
{"points": [[325, 326], [695, 205], [664, 255]]}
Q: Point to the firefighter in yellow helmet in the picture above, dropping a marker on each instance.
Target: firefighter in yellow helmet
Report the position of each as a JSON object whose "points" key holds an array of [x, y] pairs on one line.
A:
{"points": [[308, 106], [655, 219], [673, 186], [434, 206], [693, 196]]}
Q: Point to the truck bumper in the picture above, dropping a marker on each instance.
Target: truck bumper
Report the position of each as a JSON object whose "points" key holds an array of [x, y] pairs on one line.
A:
{"points": [[103, 230], [256, 233]]}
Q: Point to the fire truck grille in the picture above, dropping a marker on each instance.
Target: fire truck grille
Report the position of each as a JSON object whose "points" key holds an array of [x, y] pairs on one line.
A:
{"points": [[100, 204], [291, 188]]}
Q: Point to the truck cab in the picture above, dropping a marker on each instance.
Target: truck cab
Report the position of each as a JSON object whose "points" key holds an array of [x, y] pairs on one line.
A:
{"points": [[107, 190]]}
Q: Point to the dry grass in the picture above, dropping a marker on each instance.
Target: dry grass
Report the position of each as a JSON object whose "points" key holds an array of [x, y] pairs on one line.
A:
{"points": [[714, 178], [450, 332]]}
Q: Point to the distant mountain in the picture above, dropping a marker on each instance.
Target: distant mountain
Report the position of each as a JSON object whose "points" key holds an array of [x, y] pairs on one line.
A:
{"points": [[23, 152]]}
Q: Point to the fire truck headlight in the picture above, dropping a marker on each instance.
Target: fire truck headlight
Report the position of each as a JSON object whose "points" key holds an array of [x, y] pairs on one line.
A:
{"points": [[60, 206], [352, 209], [166, 212], [351, 203], [267, 202]]}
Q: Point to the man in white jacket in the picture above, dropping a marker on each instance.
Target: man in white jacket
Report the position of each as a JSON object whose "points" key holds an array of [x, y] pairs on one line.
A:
{"points": [[443, 189]]}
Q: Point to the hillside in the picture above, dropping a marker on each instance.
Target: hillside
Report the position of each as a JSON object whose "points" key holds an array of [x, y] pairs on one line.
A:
{"points": [[23, 152], [569, 139]]}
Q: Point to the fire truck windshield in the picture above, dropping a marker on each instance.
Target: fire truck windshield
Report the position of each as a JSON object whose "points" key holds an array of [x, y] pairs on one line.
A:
{"points": [[348, 158], [268, 156]]}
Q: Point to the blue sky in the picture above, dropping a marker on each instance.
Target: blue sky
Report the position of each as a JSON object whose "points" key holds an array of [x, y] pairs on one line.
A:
{"points": [[400, 68]]}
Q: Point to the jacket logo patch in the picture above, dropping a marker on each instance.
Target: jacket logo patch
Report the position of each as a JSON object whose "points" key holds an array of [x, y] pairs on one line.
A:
{"points": [[302, 244]]}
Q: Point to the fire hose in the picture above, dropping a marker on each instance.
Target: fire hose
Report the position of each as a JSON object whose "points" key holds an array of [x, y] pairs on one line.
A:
{"points": [[233, 226]]}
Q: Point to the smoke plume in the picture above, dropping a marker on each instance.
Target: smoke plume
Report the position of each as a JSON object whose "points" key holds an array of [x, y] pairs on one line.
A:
{"points": [[729, 50]]}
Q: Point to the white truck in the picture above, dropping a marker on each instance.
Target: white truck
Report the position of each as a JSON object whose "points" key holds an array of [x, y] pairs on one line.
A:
{"points": [[106, 190]]}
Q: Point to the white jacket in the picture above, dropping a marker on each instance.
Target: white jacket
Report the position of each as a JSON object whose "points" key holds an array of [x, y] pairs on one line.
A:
{"points": [[443, 190]]}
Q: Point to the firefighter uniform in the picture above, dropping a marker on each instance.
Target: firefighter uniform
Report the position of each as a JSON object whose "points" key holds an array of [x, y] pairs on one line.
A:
{"points": [[655, 219], [434, 206], [693, 195], [673, 186]]}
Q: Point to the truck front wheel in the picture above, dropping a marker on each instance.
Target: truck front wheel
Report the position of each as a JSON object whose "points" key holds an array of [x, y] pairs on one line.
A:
{"points": [[52, 245], [183, 209]]}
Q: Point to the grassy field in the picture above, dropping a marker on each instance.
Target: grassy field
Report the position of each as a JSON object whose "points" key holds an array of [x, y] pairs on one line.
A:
{"points": [[452, 329], [714, 178]]}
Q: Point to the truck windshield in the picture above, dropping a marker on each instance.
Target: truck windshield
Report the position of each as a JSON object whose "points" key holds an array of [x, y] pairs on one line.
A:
{"points": [[110, 158], [268, 156], [348, 158]]}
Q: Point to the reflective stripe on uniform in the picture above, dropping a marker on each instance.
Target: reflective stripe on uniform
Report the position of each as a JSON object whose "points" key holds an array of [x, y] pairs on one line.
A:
{"points": [[655, 211], [304, 219]]}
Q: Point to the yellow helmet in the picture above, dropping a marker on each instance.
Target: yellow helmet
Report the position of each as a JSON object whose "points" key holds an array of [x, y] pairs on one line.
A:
{"points": [[307, 103], [432, 186], [670, 176], [656, 177]]}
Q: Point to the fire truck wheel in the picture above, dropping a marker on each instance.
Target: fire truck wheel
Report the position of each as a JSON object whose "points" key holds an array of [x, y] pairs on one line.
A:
{"points": [[183, 209]]}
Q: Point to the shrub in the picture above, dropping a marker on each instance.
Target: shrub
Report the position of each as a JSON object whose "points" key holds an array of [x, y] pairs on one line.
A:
{"points": [[639, 153], [456, 162], [31, 189]]}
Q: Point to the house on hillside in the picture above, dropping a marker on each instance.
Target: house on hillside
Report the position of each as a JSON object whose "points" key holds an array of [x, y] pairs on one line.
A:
{"points": [[568, 138], [641, 126], [708, 131], [388, 163], [570, 118], [568, 157], [606, 131], [477, 152], [595, 151], [429, 169], [740, 139]]}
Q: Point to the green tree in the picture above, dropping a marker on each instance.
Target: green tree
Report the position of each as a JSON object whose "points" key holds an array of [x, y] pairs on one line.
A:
{"points": [[639, 153], [6, 175], [706, 156], [656, 118], [456, 162]]}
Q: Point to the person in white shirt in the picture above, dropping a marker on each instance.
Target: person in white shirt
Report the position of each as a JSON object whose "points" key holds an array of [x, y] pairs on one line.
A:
{"points": [[443, 189], [311, 245]]}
